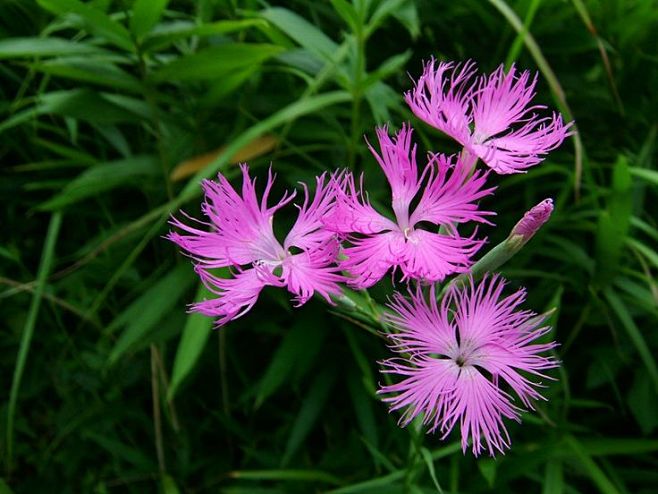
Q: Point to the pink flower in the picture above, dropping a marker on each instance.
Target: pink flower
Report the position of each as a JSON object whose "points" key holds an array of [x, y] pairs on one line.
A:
{"points": [[459, 355], [490, 116], [533, 220], [448, 197], [241, 236]]}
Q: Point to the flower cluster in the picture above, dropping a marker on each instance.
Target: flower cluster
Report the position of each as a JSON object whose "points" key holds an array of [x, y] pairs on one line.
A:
{"points": [[460, 357]]}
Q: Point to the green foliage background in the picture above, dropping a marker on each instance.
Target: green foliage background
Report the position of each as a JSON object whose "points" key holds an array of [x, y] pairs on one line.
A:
{"points": [[109, 386]]}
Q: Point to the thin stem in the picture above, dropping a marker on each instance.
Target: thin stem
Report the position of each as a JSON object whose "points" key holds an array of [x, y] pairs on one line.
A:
{"points": [[357, 90], [47, 257], [157, 417]]}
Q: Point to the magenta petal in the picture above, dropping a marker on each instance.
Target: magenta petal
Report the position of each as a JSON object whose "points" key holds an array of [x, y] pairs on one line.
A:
{"points": [[432, 256], [451, 194], [398, 161], [370, 258], [235, 296], [456, 356], [309, 230], [442, 97], [313, 271], [353, 213], [491, 116]]}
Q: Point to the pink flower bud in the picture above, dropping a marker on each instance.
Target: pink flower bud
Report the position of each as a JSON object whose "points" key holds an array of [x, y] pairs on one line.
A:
{"points": [[533, 220]]}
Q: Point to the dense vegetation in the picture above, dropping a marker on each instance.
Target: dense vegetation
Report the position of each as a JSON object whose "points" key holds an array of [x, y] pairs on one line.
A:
{"points": [[110, 114]]}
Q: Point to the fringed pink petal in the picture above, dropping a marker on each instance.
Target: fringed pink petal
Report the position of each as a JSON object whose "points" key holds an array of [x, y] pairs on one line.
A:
{"points": [[368, 259], [451, 194], [313, 271], [234, 296], [432, 256], [456, 356]]}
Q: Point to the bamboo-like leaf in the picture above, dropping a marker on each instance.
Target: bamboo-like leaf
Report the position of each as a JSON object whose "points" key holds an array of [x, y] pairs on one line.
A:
{"points": [[166, 33], [47, 257], [95, 71], [143, 314], [311, 408], [103, 177], [634, 334], [45, 47], [595, 473], [216, 62], [94, 19], [195, 335], [145, 15], [614, 223]]}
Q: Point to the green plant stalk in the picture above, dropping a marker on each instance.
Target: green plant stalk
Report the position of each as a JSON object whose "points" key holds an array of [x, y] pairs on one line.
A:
{"points": [[45, 265], [357, 90]]}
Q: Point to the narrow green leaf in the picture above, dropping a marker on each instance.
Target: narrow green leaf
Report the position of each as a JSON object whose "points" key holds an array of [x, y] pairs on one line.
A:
{"points": [[297, 346], [119, 449], [80, 104], [86, 69], [517, 44], [614, 223], [488, 467], [144, 313], [196, 332], [404, 11], [302, 31], [362, 402], [47, 257], [97, 21], [146, 14], [616, 446], [296, 475], [650, 176], [312, 406], [634, 333], [168, 485], [347, 12], [591, 468], [378, 484], [647, 252], [638, 397], [390, 66], [44, 47], [164, 34], [429, 463], [216, 62], [553, 483], [104, 177]]}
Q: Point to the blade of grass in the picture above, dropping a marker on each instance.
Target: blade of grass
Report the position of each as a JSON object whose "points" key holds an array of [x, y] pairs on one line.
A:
{"points": [[146, 14], [310, 411], [45, 265], [597, 475], [45, 47], [146, 311], [581, 8], [195, 335], [517, 44], [298, 475], [634, 333], [553, 482]]}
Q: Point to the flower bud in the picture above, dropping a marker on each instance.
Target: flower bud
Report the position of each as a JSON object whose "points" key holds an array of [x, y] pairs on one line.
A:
{"points": [[532, 221]]}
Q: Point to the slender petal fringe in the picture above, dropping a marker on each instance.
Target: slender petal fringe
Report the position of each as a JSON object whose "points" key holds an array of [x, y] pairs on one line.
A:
{"points": [[457, 355]]}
